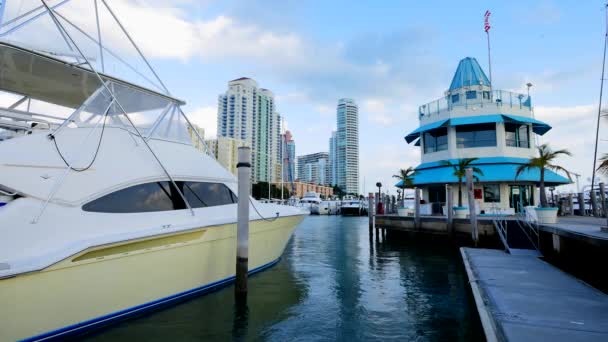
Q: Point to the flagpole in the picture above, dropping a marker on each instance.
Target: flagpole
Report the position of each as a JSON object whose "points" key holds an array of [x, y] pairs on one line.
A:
{"points": [[487, 29], [489, 58], [599, 110]]}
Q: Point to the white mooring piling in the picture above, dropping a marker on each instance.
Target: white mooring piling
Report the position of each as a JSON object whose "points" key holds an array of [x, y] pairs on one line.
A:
{"points": [[242, 230], [472, 212]]}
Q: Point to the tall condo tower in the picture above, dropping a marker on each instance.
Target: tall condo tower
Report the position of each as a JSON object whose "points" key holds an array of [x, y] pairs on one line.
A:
{"points": [[247, 112], [347, 141], [333, 162]]}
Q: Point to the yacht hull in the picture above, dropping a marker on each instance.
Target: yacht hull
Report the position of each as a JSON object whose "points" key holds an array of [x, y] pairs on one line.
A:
{"points": [[106, 283]]}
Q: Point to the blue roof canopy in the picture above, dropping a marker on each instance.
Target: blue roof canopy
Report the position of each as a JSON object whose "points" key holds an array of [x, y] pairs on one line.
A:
{"points": [[538, 127], [416, 133], [469, 73], [495, 169]]}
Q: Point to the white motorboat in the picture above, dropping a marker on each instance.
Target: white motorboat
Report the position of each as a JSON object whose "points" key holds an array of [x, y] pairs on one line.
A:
{"points": [[109, 215], [352, 206], [310, 202]]}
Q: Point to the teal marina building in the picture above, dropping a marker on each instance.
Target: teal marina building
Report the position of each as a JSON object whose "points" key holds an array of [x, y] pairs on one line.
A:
{"points": [[474, 120]]}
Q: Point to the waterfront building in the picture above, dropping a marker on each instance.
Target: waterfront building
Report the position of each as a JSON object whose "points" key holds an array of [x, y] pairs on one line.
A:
{"points": [[333, 155], [347, 146], [247, 112], [299, 189], [196, 142], [225, 151], [474, 120], [314, 168]]}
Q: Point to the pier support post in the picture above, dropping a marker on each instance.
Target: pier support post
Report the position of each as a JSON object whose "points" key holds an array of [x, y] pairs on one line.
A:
{"points": [[581, 204], [603, 211], [472, 213], [571, 204], [242, 230], [449, 208], [370, 211], [416, 208], [594, 208]]}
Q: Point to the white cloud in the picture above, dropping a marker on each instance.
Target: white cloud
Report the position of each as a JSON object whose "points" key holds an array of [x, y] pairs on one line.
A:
{"points": [[206, 118]]}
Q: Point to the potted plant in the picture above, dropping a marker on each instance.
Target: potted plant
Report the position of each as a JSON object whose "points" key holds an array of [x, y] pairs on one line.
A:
{"points": [[546, 155], [407, 181], [460, 170]]}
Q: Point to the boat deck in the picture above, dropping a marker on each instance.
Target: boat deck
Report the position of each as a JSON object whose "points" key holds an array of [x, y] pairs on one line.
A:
{"points": [[522, 298]]}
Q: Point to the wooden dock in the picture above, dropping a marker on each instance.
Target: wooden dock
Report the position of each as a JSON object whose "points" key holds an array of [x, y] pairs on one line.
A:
{"points": [[522, 298]]}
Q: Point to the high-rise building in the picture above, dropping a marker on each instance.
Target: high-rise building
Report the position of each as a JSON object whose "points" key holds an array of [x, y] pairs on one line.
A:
{"points": [[196, 142], [333, 162], [347, 141], [288, 151], [314, 168], [247, 112], [225, 151]]}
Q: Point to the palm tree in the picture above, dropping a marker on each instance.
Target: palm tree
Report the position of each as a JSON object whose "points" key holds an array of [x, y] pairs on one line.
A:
{"points": [[460, 171], [407, 178], [544, 161], [603, 168]]}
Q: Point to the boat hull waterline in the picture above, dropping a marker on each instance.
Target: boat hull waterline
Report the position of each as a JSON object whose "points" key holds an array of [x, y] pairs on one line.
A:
{"points": [[107, 283]]}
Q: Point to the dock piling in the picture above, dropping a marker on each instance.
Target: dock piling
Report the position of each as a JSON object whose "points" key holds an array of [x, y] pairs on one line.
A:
{"points": [[417, 208], [603, 212], [594, 208], [449, 208], [571, 203], [472, 213], [370, 212], [581, 204], [242, 233]]}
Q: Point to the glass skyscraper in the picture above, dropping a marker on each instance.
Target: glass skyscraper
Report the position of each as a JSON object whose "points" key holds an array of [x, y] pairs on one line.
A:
{"points": [[347, 146]]}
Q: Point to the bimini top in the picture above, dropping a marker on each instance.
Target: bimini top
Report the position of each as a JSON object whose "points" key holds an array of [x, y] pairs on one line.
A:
{"points": [[538, 127], [495, 169], [469, 73], [52, 80]]}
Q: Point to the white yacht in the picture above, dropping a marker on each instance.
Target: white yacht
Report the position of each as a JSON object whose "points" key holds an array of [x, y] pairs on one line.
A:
{"points": [[352, 206], [107, 215], [310, 202]]}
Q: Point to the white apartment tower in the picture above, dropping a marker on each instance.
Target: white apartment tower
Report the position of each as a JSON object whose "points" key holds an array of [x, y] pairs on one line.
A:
{"points": [[347, 141], [247, 112]]}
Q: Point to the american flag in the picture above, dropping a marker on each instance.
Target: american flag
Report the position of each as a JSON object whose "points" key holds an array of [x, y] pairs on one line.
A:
{"points": [[486, 22]]}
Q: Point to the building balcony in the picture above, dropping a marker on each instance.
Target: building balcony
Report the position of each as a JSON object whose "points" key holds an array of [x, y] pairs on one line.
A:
{"points": [[479, 101]]}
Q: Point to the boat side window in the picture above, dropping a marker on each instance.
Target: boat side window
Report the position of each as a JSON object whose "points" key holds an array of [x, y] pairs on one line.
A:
{"points": [[203, 194], [148, 197], [162, 196]]}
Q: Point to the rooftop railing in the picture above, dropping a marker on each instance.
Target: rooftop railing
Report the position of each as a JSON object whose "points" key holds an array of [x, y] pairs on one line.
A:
{"points": [[475, 98]]}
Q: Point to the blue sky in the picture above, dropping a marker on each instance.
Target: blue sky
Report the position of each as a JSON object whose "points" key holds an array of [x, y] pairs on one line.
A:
{"points": [[390, 56]]}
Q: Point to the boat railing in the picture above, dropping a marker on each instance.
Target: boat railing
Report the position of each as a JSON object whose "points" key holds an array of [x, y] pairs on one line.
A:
{"points": [[473, 98]]}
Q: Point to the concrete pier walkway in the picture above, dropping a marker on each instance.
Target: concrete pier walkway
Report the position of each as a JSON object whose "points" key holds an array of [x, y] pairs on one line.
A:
{"points": [[522, 298]]}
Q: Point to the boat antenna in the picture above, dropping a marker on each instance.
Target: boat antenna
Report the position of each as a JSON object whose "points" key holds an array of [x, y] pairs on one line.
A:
{"points": [[599, 109]]}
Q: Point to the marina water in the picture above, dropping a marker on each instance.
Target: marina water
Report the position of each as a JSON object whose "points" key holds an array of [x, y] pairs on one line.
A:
{"points": [[333, 283]]}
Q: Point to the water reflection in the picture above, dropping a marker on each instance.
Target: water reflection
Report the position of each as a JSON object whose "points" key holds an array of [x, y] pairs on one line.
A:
{"points": [[333, 283]]}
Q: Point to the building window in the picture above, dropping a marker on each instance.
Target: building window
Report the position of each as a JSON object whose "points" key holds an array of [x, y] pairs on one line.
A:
{"points": [[436, 140], [471, 94], [517, 135], [491, 193], [486, 95], [480, 135], [455, 98]]}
